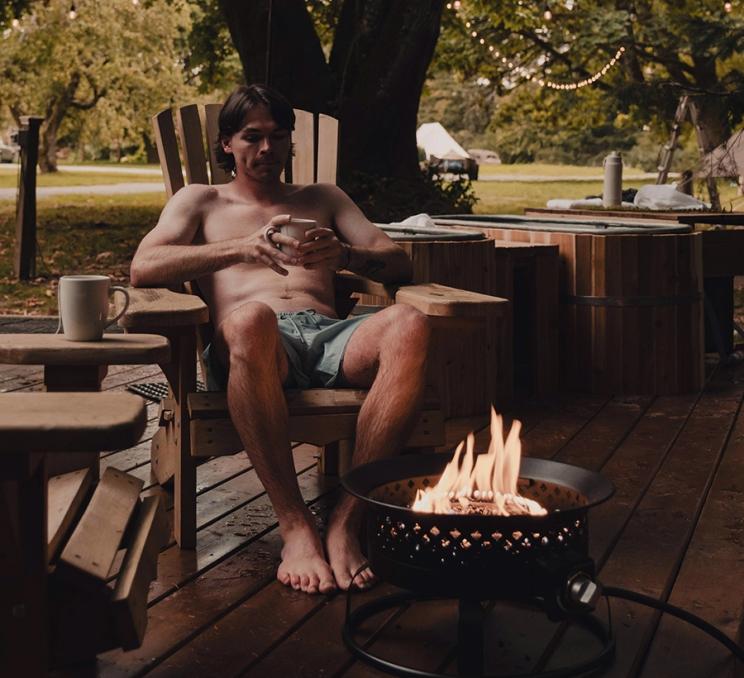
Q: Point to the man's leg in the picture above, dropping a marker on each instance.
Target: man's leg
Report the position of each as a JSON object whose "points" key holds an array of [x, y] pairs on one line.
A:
{"points": [[248, 340], [386, 354]]}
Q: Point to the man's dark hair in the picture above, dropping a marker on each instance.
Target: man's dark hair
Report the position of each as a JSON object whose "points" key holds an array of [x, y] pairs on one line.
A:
{"points": [[235, 109]]}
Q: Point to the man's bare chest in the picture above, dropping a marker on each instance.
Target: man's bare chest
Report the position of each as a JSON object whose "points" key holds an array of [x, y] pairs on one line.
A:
{"points": [[230, 220]]}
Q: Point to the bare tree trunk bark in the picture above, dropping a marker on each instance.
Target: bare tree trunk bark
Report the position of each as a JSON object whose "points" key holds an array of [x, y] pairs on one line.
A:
{"points": [[48, 145], [298, 66], [380, 57]]}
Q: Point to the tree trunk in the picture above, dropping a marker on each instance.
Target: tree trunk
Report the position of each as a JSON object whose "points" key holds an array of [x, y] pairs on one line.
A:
{"points": [[298, 67], [48, 145], [381, 52]]}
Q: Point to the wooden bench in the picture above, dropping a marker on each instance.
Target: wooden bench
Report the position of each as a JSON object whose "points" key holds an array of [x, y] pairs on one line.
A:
{"points": [[60, 601]]}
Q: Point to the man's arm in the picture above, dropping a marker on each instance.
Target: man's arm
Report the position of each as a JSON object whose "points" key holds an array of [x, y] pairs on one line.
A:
{"points": [[167, 255], [363, 248]]}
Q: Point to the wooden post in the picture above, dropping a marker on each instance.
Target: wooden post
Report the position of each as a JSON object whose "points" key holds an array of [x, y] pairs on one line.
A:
{"points": [[25, 255]]}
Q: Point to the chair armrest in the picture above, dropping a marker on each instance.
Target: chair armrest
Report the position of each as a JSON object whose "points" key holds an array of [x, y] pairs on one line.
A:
{"points": [[449, 302], [157, 308]]}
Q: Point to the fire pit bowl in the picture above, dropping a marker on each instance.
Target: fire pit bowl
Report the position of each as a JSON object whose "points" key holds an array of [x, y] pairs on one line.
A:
{"points": [[478, 555]]}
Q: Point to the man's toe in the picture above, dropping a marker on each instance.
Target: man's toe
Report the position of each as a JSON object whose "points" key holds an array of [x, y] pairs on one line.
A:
{"points": [[327, 585], [295, 579]]}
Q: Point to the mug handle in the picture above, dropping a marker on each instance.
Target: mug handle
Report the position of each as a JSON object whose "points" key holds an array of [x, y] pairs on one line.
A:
{"points": [[117, 288]]}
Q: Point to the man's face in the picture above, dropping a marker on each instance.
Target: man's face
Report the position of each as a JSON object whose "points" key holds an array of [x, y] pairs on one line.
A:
{"points": [[260, 148]]}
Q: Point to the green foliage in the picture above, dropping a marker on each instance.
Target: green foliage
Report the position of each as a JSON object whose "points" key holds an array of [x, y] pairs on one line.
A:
{"points": [[534, 124], [385, 199], [671, 48], [98, 77], [211, 62]]}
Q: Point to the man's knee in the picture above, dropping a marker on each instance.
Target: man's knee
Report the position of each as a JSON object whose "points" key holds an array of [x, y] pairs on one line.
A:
{"points": [[411, 329], [250, 331]]}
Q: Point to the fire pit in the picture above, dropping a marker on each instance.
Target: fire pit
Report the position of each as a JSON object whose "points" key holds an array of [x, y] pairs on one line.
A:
{"points": [[471, 548]]}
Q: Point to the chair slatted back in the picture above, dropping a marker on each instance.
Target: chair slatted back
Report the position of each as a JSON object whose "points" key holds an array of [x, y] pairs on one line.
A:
{"points": [[186, 146]]}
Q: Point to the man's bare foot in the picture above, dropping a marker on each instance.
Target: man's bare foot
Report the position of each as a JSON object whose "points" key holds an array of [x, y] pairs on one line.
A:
{"points": [[345, 557], [303, 566]]}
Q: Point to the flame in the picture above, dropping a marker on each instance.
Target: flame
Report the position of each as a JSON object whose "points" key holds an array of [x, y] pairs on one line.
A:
{"points": [[484, 483]]}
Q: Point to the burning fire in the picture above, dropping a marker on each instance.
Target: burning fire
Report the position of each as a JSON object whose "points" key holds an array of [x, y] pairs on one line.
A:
{"points": [[486, 483]]}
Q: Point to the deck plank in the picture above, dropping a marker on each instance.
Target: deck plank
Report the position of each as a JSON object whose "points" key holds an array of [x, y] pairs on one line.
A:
{"points": [[200, 603], [709, 583], [654, 541]]}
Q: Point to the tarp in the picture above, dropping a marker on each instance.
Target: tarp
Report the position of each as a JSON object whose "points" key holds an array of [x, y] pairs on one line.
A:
{"points": [[727, 160], [436, 141]]}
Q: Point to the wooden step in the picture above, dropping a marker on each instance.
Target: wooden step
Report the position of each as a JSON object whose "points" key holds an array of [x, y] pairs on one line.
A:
{"points": [[89, 554], [67, 494], [129, 601]]}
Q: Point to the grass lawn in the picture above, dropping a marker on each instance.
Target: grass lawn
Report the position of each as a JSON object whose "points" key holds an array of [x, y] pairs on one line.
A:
{"points": [[512, 197], [543, 169], [76, 234], [9, 178]]}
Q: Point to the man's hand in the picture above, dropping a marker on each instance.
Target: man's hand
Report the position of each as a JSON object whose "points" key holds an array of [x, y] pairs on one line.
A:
{"points": [[323, 250], [263, 245]]}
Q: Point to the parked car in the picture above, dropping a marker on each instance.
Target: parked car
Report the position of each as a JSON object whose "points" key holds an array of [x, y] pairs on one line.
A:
{"points": [[8, 153], [456, 166]]}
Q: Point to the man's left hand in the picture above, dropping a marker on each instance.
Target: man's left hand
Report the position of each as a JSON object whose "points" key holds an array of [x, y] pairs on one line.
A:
{"points": [[323, 250]]}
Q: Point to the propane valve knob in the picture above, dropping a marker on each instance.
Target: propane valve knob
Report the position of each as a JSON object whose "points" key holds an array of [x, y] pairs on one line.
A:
{"points": [[583, 592]]}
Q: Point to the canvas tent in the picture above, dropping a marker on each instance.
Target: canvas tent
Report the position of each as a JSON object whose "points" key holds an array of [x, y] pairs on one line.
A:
{"points": [[443, 152], [437, 143]]}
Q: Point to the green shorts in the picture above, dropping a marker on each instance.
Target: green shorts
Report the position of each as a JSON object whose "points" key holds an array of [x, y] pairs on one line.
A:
{"points": [[315, 346]]}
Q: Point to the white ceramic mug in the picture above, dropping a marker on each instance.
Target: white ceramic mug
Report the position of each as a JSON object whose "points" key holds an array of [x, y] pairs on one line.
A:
{"points": [[84, 305], [296, 229]]}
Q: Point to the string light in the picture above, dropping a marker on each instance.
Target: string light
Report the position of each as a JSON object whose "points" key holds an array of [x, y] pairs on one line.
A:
{"points": [[72, 14], [542, 82], [727, 6]]}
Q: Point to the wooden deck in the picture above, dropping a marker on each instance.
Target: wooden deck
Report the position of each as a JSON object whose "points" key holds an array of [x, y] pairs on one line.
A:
{"points": [[674, 530]]}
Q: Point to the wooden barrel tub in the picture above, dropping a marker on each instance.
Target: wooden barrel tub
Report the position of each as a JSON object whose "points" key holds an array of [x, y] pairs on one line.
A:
{"points": [[631, 302]]}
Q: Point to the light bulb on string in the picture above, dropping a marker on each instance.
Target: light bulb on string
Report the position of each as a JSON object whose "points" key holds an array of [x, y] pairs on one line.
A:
{"points": [[547, 15], [727, 6], [15, 23], [72, 14]]}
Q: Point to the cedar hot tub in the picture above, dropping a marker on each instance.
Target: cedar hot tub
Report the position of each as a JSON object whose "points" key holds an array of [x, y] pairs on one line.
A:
{"points": [[631, 300]]}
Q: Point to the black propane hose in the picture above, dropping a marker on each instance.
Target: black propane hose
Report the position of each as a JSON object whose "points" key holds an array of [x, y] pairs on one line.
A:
{"points": [[684, 615]]}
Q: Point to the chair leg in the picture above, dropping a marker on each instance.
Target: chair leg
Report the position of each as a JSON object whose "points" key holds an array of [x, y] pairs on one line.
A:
{"points": [[181, 374], [335, 457]]}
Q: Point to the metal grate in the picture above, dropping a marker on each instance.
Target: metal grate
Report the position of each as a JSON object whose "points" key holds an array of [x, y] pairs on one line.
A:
{"points": [[157, 390]]}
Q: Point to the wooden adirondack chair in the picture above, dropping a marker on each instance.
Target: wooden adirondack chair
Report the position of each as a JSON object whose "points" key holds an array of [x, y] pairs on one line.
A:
{"points": [[197, 425]]}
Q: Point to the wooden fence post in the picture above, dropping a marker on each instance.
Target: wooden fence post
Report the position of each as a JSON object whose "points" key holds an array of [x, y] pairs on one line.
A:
{"points": [[25, 254]]}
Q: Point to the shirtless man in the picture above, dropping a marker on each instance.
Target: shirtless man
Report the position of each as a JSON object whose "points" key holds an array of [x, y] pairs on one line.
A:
{"points": [[276, 324]]}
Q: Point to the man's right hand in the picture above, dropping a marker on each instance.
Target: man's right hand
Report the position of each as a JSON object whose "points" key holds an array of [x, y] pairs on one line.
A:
{"points": [[262, 246]]}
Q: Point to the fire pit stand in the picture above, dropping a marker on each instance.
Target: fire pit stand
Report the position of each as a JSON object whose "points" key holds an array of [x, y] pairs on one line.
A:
{"points": [[474, 557]]}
